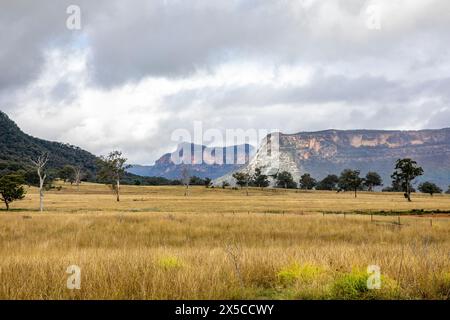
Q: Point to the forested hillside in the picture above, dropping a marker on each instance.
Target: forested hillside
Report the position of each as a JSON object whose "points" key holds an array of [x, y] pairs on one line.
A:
{"points": [[18, 148]]}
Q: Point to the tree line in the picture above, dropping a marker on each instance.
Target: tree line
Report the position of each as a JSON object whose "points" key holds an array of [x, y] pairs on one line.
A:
{"points": [[111, 170], [405, 172]]}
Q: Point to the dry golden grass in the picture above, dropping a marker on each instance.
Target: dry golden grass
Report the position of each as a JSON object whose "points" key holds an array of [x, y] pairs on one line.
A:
{"points": [[221, 244]]}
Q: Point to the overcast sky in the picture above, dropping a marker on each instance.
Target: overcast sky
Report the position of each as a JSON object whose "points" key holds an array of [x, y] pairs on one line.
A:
{"points": [[137, 70]]}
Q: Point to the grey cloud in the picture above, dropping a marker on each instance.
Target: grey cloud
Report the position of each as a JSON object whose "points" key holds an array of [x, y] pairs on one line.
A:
{"points": [[173, 38], [27, 30], [319, 90], [149, 38], [393, 78], [178, 39]]}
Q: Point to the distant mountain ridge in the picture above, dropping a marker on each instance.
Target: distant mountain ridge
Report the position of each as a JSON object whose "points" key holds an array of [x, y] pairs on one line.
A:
{"points": [[202, 162], [318, 153], [18, 148], [331, 151]]}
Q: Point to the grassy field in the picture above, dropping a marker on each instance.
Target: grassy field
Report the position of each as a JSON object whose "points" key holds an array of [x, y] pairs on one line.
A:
{"points": [[221, 244]]}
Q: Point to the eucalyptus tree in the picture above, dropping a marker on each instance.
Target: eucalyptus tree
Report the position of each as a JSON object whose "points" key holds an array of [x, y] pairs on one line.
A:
{"points": [[406, 170], [111, 170]]}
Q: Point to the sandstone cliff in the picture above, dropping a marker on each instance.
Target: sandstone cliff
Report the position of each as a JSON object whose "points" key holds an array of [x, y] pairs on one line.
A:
{"points": [[329, 152]]}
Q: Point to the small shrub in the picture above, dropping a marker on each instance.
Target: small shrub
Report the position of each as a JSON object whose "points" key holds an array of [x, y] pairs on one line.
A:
{"points": [[296, 272], [170, 263], [353, 286]]}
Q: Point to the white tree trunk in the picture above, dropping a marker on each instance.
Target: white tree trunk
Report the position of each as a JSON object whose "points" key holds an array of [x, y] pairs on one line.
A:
{"points": [[41, 190], [40, 164], [78, 178], [118, 189], [41, 200]]}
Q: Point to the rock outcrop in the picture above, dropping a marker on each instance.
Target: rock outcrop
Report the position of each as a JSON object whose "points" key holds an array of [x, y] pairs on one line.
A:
{"points": [[202, 162], [331, 151]]}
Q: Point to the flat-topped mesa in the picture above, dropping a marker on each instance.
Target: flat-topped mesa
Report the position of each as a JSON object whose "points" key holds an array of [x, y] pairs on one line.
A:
{"points": [[200, 160], [329, 141], [331, 151]]}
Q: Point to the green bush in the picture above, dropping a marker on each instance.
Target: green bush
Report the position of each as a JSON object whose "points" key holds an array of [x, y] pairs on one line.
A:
{"points": [[296, 272], [353, 286], [170, 263]]}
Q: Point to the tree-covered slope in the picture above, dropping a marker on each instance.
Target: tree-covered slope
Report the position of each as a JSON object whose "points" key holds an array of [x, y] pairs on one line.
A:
{"points": [[17, 148]]}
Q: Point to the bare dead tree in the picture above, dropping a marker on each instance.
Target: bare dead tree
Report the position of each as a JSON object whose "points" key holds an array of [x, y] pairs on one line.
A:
{"points": [[248, 179], [185, 179], [39, 164], [78, 175], [234, 252]]}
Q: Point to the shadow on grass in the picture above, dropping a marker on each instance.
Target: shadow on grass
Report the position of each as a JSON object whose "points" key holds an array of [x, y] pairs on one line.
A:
{"points": [[19, 210], [413, 212]]}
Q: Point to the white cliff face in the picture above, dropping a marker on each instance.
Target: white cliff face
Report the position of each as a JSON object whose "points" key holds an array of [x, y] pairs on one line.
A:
{"points": [[273, 156], [331, 151]]}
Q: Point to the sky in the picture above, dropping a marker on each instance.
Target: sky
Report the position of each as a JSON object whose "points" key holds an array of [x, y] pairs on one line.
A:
{"points": [[131, 73]]}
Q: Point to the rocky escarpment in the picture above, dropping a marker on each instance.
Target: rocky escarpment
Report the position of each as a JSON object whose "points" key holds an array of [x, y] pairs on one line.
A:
{"points": [[211, 162], [331, 151]]}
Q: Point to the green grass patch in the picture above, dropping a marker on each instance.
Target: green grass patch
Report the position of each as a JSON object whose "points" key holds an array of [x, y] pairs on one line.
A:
{"points": [[170, 263], [299, 272], [354, 286]]}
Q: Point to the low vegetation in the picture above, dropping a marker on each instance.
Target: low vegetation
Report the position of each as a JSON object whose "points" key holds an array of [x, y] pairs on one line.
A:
{"points": [[221, 244]]}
